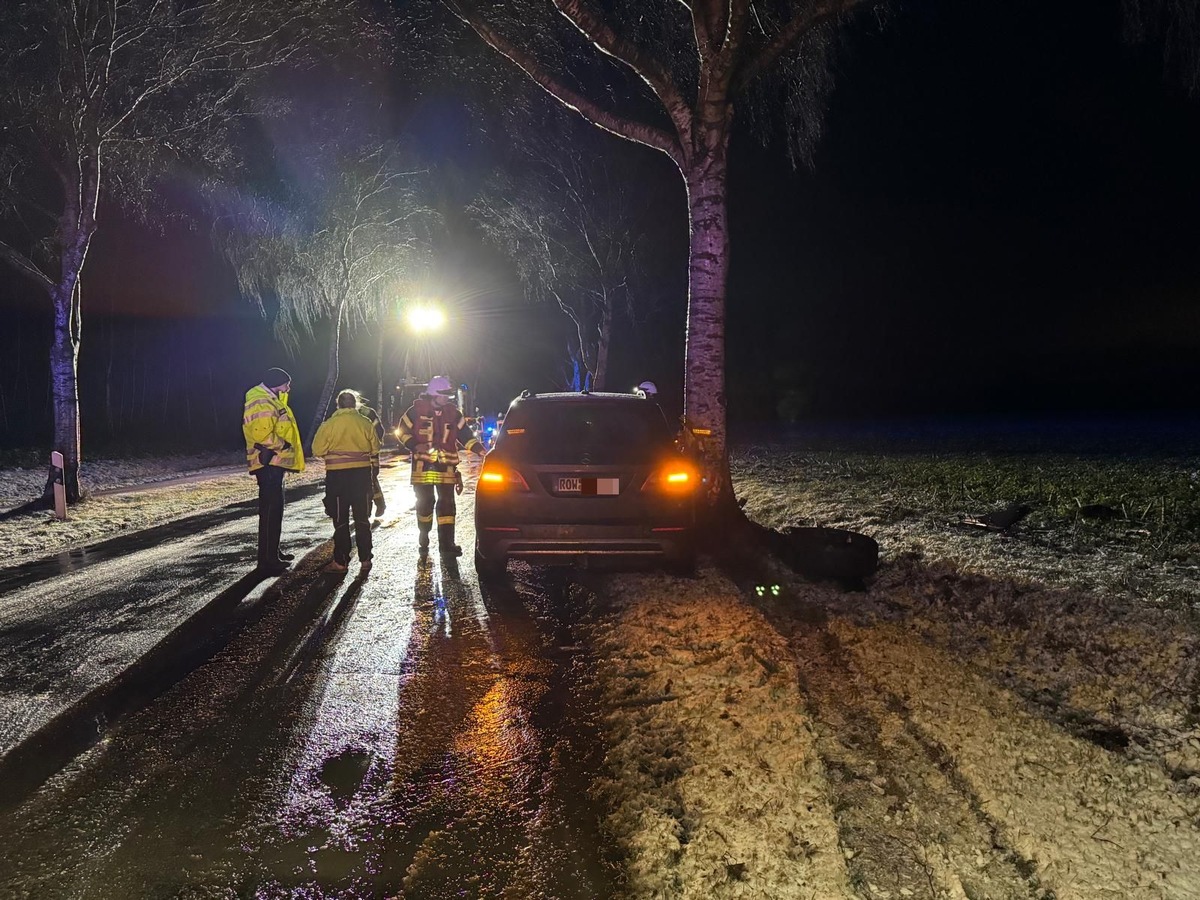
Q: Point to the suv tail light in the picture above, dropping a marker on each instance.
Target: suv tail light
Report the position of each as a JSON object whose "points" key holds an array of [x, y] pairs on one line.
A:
{"points": [[497, 477], [676, 477]]}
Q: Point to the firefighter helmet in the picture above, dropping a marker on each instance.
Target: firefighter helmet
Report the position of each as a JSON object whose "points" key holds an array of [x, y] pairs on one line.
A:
{"points": [[439, 385]]}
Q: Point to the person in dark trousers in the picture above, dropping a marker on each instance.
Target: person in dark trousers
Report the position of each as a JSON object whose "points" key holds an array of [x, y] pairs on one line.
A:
{"points": [[432, 430], [377, 491], [273, 449], [348, 443]]}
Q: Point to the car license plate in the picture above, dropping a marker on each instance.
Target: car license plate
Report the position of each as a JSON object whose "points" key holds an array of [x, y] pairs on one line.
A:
{"points": [[590, 487]]}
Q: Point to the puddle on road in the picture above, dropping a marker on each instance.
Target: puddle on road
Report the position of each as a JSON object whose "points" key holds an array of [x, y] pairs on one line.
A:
{"points": [[343, 774]]}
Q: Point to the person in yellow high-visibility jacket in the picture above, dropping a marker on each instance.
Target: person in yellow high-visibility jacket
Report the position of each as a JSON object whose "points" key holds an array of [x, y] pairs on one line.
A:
{"points": [[432, 430], [348, 443], [273, 448]]}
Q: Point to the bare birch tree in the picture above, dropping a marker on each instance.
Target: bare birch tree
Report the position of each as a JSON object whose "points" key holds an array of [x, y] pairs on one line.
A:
{"points": [[95, 95], [335, 247], [670, 74], [573, 224]]}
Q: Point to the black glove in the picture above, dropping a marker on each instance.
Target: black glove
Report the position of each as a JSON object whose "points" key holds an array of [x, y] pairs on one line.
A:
{"points": [[330, 506], [265, 456]]}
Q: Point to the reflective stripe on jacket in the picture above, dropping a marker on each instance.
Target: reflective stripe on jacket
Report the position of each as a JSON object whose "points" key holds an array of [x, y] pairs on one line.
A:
{"points": [[346, 440], [439, 431], [268, 424]]}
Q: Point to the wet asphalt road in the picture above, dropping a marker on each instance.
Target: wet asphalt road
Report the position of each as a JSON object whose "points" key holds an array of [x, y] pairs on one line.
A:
{"points": [[405, 734]]}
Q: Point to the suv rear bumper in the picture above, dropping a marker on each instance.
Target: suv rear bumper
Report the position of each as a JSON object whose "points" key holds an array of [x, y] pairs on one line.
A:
{"points": [[565, 542]]}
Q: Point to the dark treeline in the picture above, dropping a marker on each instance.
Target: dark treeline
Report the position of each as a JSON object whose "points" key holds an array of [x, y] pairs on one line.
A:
{"points": [[146, 384], [156, 384]]}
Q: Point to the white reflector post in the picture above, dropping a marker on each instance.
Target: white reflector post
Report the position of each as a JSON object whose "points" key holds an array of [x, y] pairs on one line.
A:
{"points": [[60, 489]]}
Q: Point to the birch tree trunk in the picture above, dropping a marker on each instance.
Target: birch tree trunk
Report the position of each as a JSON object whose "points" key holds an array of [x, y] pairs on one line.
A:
{"points": [[64, 361], [708, 266], [77, 225], [603, 339], [380, 406], [731, 55], [331, 375]]}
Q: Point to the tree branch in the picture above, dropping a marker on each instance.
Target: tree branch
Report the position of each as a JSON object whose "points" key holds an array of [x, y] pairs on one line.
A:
{"points": [[25, 266], [736, 14], [638, 132], [818, 12], [646, 68]]}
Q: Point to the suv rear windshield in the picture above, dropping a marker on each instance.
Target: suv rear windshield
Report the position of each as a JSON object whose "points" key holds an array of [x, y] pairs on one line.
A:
{"points": [[575, 432]]}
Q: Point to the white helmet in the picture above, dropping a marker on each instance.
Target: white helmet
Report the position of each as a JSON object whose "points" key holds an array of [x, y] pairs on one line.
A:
{"points": [[646, 389], [439, 384]]}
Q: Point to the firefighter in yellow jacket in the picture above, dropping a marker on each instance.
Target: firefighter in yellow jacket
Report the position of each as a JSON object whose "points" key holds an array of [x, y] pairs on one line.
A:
{"points": [[432, 430], [348, 443], [272, 449]]}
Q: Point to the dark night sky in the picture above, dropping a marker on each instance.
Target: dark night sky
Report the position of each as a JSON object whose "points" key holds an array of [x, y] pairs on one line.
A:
{"points": [[1000, 218]]}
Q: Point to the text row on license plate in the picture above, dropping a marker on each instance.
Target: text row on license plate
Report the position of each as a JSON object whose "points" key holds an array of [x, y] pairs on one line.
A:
{"points": [[590, 486]]}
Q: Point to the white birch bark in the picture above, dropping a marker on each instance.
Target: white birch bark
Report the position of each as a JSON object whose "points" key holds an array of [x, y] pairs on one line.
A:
{"points": [[697, 142]]}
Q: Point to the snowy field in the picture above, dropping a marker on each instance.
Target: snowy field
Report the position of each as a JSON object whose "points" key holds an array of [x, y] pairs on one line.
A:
{"points": [[126, 495], [995, 715]]}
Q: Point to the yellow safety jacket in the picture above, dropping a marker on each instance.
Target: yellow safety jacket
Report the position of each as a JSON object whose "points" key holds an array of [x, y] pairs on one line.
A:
{"points": [[346, 440], [432, 434], [268, 424]]}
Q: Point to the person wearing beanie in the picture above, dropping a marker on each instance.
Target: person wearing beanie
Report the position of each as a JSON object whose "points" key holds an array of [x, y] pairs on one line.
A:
{"points": [[273, 448], [348, 443]]}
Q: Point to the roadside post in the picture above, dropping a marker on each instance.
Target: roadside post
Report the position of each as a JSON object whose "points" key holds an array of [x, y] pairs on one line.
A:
{"points": [[60, 489]]}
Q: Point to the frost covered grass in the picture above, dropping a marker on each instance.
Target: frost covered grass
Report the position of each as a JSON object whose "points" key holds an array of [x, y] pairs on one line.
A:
{"points": [[1077, 629], [1125, 525], [124, 495], [715, 786]]}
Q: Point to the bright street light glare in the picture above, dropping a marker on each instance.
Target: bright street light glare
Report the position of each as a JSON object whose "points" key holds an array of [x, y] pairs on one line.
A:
{"points": [[423, 319]]}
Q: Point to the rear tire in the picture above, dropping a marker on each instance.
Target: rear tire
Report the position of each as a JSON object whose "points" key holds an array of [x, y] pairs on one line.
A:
{"points": [[490, 569], [683, 566]]}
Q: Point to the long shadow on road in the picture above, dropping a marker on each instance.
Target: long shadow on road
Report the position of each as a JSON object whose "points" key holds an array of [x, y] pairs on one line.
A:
{"points": [[26, 574], [170, 790], [85, 720], [27, 766]]}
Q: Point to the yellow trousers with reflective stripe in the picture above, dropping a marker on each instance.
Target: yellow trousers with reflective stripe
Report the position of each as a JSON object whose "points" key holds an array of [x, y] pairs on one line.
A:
{"points": [[446, 509]]}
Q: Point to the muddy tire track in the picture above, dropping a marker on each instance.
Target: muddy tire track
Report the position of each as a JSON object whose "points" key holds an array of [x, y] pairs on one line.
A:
{"points": [[906, 825], [946, 782], [714, 785]]}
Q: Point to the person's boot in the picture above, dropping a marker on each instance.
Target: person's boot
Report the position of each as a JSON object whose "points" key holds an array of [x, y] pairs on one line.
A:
{"points": [[446, 545], [423, 541], [272, 567]]}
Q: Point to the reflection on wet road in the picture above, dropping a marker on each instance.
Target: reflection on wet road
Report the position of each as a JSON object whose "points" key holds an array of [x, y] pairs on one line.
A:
{"points": [[405, 734]]}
